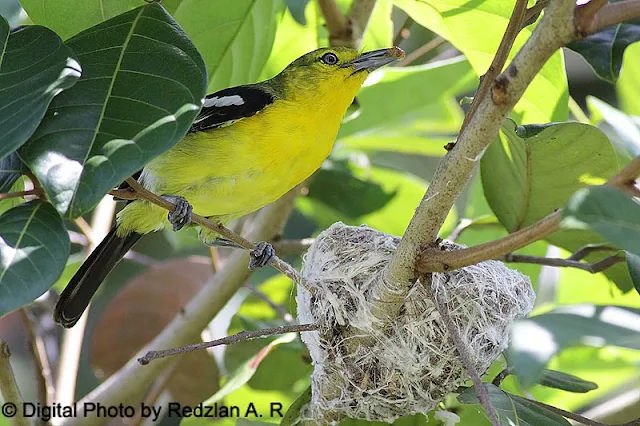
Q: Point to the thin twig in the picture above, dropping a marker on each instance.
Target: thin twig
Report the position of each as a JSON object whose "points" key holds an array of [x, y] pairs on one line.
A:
{"points": [[534, 11], [44, 377], [627, 176], [481, 391], [35, 192], [155, 392], [497, 381], [584, 16], [513, 29], [9, 388], [229, 340], [614, 13], [85, 228], [421, 51], [594, 268], [137, 191]]}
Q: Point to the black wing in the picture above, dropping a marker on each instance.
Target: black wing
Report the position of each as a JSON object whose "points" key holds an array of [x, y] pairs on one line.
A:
{"points": [[230, 105]]}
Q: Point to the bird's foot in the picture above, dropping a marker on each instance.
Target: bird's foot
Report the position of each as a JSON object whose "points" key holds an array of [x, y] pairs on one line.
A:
{"points": [[261, 255], [181, 216]]}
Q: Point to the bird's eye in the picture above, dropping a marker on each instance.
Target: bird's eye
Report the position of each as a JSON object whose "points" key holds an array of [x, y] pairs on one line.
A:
{"points": [[329, 59]]}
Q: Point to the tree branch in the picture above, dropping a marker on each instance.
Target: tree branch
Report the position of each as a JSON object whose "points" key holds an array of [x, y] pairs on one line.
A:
{"points": [[35, 192], [44, 377], [9, 388], [454, 171], [513, 29], [139, 192], [347, 31], [133, 379], [229, 340], [615, 13]]}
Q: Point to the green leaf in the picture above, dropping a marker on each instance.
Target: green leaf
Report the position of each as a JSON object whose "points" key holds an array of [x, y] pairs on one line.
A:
{"points": [[633, 263], [34, 67], [11, 168], [142, 87], [246, 422], [535, 340], [532, 170], [567, 382], [379, 33], [294, 410], [476, 30], [515, 410], [610, 212], [628, 85], [603, 50], [68, 18], [235, 37], [34, 247], [297, 9], [392, 95], [242, 375], [351, 196]]}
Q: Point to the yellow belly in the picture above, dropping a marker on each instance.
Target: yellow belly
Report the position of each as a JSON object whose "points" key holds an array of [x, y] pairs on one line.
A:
{"points": [[232, 171]]}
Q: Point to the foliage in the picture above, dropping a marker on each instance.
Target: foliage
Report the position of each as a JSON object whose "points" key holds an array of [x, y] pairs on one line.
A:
{"points": [[86, 102]]}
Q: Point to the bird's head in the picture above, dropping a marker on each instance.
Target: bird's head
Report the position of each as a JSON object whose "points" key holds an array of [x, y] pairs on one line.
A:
{"points": [[336, 69]]}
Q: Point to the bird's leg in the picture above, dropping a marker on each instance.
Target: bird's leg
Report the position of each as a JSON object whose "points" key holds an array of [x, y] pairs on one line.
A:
{"points": [[261, 255], [181, 216]]}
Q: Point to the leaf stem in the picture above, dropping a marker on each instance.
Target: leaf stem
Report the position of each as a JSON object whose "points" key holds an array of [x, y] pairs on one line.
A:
{"points": [[36, 192]]}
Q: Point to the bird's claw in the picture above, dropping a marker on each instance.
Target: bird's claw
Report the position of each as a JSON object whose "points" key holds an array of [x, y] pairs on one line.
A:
{"points": [[181, 216], [261, 255]]}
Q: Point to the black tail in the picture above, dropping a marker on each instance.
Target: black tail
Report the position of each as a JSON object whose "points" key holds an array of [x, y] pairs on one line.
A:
{"points": [[76, 296]]}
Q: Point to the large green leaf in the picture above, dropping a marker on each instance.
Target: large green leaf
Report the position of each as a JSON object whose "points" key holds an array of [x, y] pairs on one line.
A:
{"points": [[604, 50], [515, 410], [567, 382], [142, 86], [235, 37], [535, 340], [34, 67], [532, 170], [70, 17], [476, 28], [34, 247], [610, 212], [629, 82], [11, 168], [395, 95]]}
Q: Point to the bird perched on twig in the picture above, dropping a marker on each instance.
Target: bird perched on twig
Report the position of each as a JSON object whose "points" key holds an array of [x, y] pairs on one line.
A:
{"points": [[248, 146]]}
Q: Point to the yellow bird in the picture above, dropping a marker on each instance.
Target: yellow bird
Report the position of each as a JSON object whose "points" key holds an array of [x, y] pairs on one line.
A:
{"points": [[248, 146]]}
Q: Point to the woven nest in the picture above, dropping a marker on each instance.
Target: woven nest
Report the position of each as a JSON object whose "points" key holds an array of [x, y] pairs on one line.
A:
{"points": [[367, 370]]}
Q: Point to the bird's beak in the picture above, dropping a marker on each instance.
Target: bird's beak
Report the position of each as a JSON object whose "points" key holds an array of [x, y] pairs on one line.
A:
{"points": [[370, 61]]}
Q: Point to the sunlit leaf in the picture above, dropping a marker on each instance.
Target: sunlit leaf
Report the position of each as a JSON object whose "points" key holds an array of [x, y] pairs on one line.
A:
{"points": [[533, 170], [476, 30], [293, 412], [621, 128], [235, 37], [34, 67], [142, 86], [34, 247], [535, 340], [56, 14], [628, 85]]}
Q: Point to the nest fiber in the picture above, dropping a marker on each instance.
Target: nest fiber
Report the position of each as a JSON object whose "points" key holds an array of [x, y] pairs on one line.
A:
{"points": [[365, 369]]}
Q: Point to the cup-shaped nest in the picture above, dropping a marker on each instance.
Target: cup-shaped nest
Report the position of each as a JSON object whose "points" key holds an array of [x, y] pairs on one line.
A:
{"points": [[368, 369]]}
